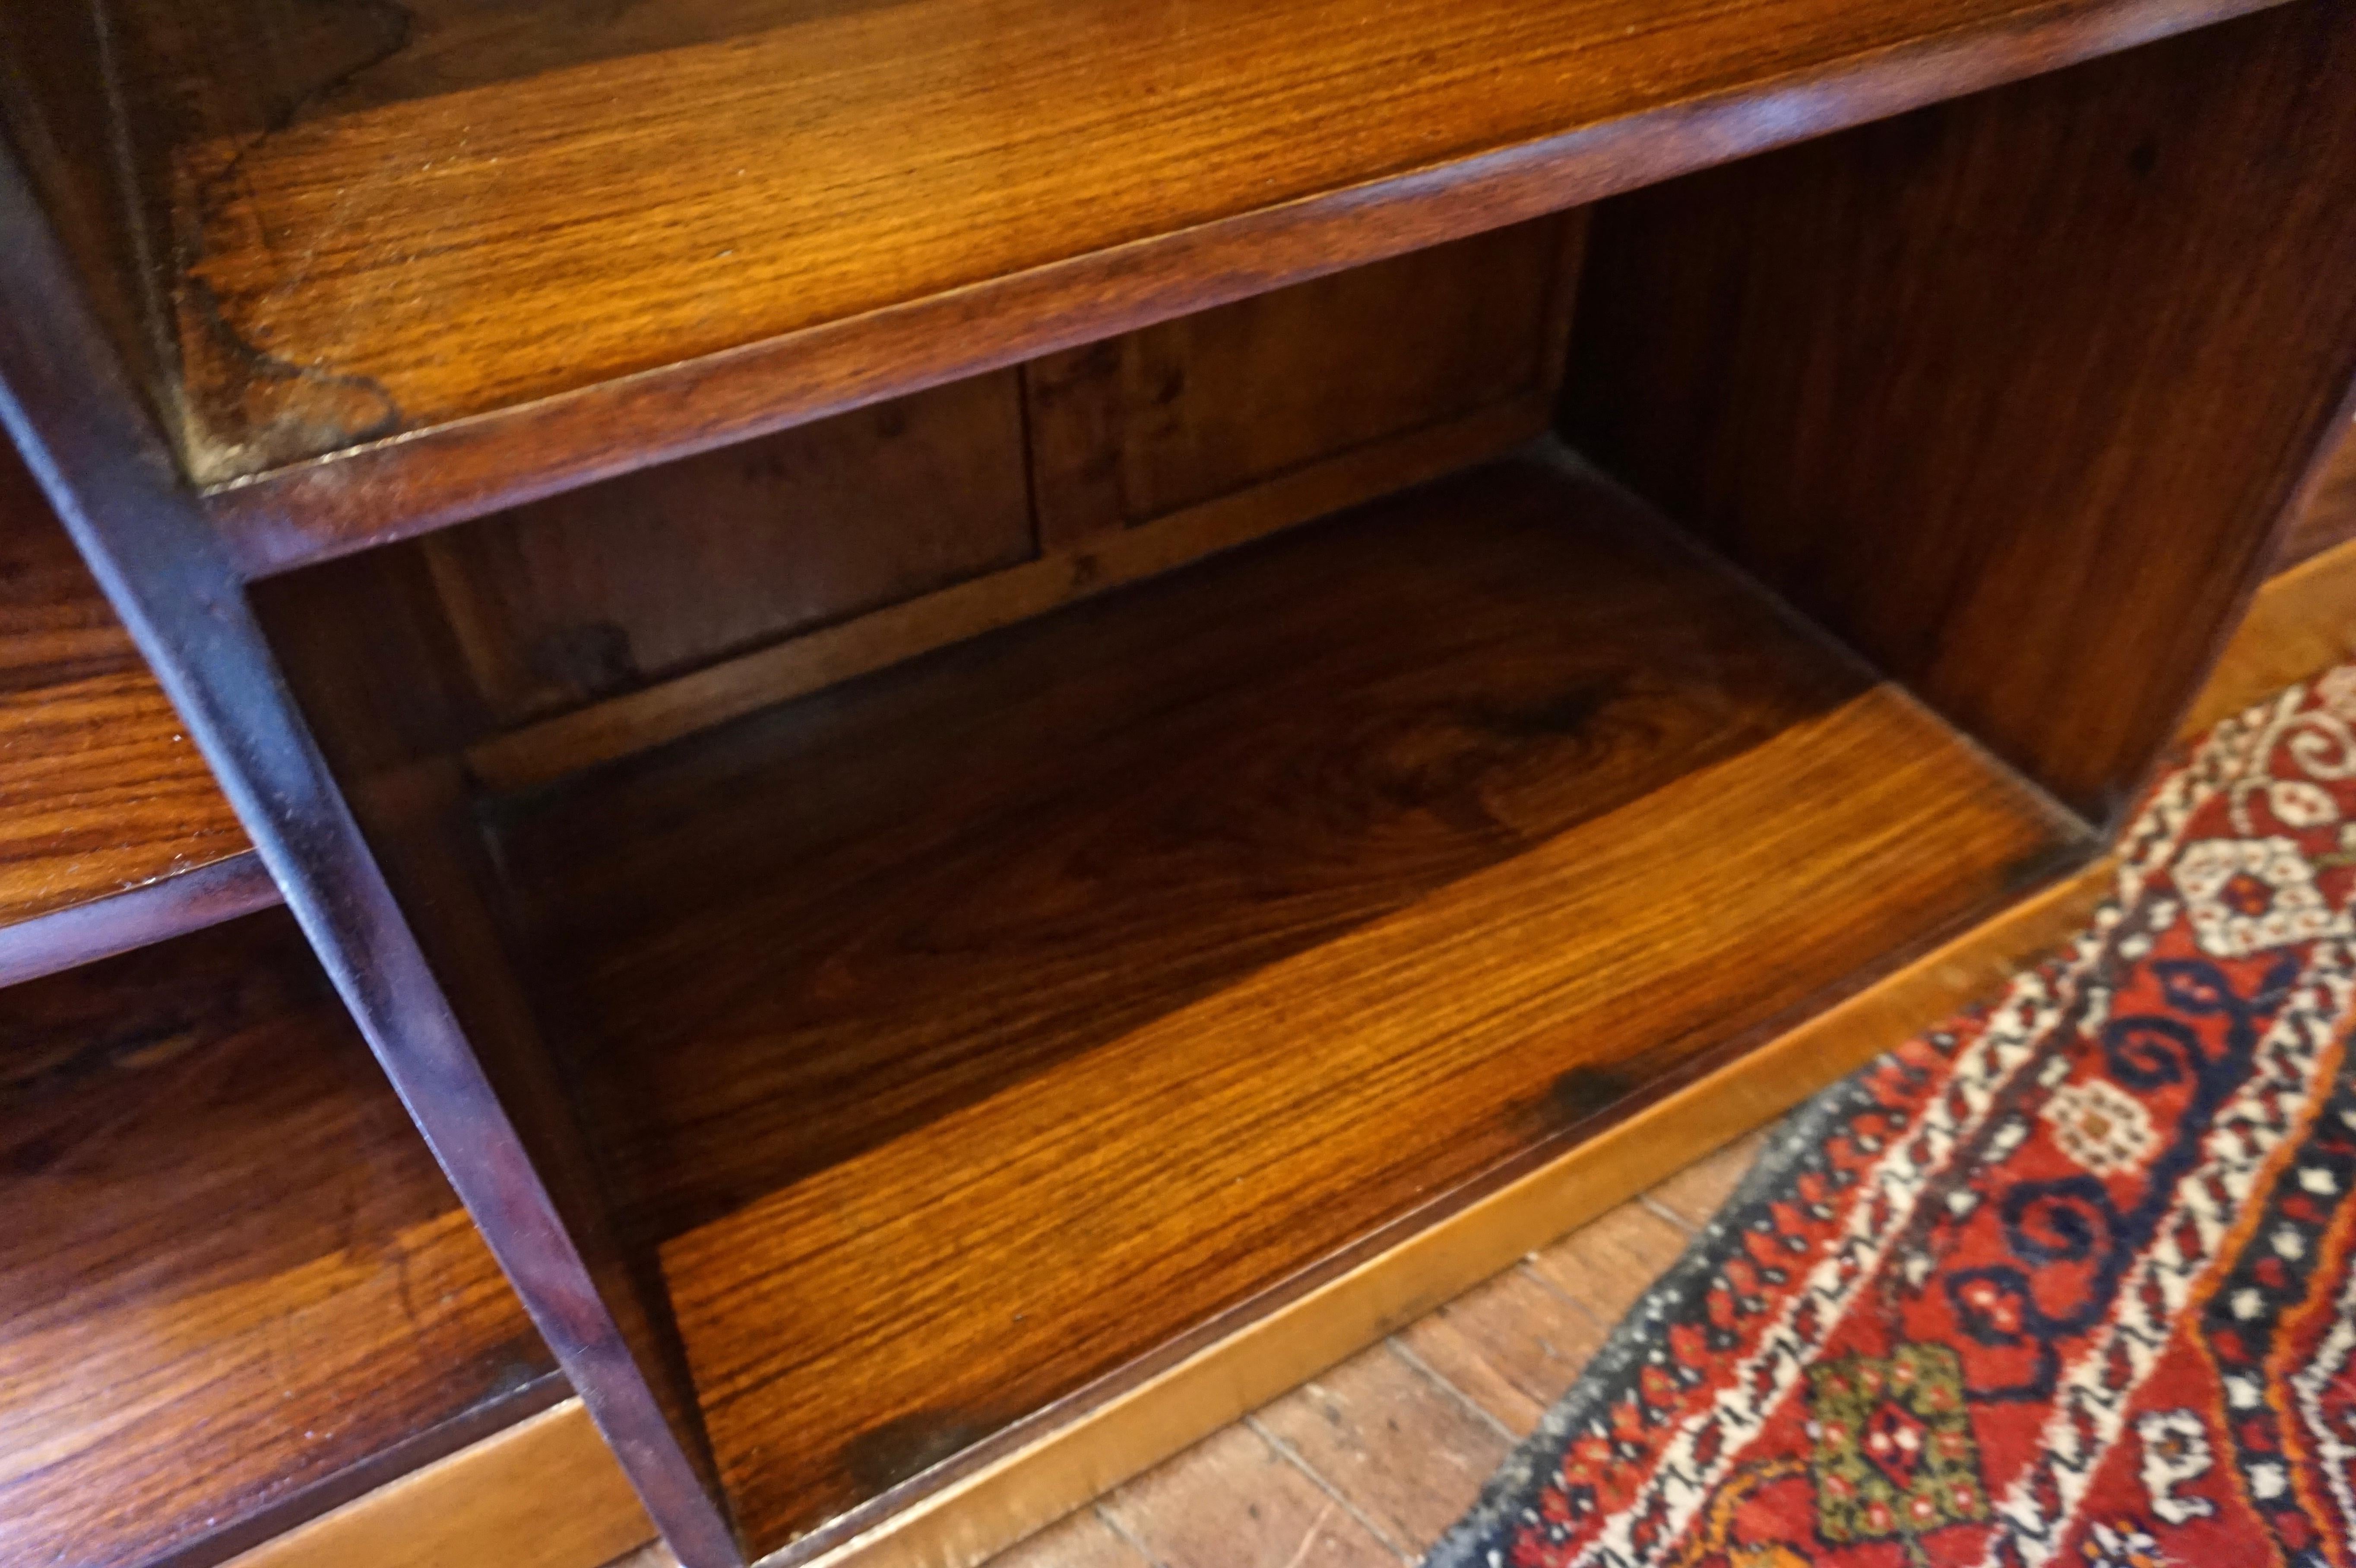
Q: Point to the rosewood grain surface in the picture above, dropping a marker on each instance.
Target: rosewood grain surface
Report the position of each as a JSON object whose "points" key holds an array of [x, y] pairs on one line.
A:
{"points": [[233, 1270], [690, 222], [2009, 392], [102, 792], [542, 752], [873, 1319], [907, 893], [1359, 825]]}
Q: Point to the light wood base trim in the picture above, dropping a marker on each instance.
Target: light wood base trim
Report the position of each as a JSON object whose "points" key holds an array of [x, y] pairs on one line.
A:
{"points": [[542, 753], [545, 1493]]}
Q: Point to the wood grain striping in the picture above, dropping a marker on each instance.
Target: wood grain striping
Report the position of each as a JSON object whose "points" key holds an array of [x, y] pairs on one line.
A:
{"points": [[102, 793], [2010, 394], [967, 870], [233, 1269], [1044, 1232]]}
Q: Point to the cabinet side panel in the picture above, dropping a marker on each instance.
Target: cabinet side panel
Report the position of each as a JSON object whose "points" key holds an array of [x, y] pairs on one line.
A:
{"points": [[2009, 392]]}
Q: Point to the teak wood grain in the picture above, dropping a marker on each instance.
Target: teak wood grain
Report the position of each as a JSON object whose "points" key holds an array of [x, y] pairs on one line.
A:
{"points": [[580, 244], [112, 829], [1337, 788], [2010, 392], [232, 1273]]}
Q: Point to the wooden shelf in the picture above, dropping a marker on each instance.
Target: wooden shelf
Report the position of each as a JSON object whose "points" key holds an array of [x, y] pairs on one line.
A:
{"points": [[969, 1033], [720, 216], [236, 1288], [112, 830]]}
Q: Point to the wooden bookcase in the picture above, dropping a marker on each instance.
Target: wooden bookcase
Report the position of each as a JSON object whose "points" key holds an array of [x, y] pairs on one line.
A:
{"points": [[975, 700]]}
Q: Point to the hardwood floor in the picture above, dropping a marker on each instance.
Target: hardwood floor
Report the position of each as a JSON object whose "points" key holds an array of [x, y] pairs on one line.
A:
{"points": [[1370, 1462]]}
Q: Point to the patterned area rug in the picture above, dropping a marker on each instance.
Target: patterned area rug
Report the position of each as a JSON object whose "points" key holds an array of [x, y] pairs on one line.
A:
{"points": [[2067, 1281]]}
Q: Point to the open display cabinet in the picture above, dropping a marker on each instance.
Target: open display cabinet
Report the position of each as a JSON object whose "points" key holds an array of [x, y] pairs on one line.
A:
{"points": [[974, 698]]}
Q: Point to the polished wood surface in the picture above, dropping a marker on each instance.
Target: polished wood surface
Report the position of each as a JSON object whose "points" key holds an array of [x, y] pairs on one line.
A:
{"points": [[1489, 1346], [803, 935], [546, 750], [1091, 1449], [2010, 392], [1151, 423], [120, 922], [112, 829], [1379, 778], [2302, 622], [232, 1271], [631, 234], [60, 109]]}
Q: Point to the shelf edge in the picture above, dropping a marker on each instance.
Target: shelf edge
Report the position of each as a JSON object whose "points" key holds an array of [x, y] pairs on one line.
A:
{"points": [[415, 483], [137, 917]]}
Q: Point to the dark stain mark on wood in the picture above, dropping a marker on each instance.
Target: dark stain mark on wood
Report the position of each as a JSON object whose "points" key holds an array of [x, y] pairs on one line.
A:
{"points": [[1585, 1092], [910, 1444]]}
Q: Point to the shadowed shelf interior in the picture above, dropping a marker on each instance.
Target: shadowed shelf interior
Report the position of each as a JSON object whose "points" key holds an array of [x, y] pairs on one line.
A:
{"points": [[235, 1289], [1007, 714]]}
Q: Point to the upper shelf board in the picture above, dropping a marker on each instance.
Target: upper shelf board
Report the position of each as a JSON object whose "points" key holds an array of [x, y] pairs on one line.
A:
{"points": [[491, 251]]}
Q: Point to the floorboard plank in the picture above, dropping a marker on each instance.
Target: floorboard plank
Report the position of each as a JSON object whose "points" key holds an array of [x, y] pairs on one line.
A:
{"points": [[1234, 1502], [1081, 1539], [1606, 1264], [1513, 1346], [1408, 1453], [1701, 1189]]}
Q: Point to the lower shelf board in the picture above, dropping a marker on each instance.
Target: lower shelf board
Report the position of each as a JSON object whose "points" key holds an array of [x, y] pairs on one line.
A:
{"points": [[978, 1035], [236, 1290]]}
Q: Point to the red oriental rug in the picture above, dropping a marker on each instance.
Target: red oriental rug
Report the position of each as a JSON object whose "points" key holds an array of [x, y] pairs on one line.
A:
{"points": [[2071, 1281]]}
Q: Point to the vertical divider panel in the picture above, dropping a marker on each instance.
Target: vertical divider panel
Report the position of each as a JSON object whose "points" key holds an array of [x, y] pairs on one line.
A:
{"points": [[2010, 392], [64, 398]]}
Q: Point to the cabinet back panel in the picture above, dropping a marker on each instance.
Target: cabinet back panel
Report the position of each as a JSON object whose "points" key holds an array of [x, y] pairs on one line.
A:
{"points": [[611, 588], [953, 875], [988, 499], [1144, 424]]}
